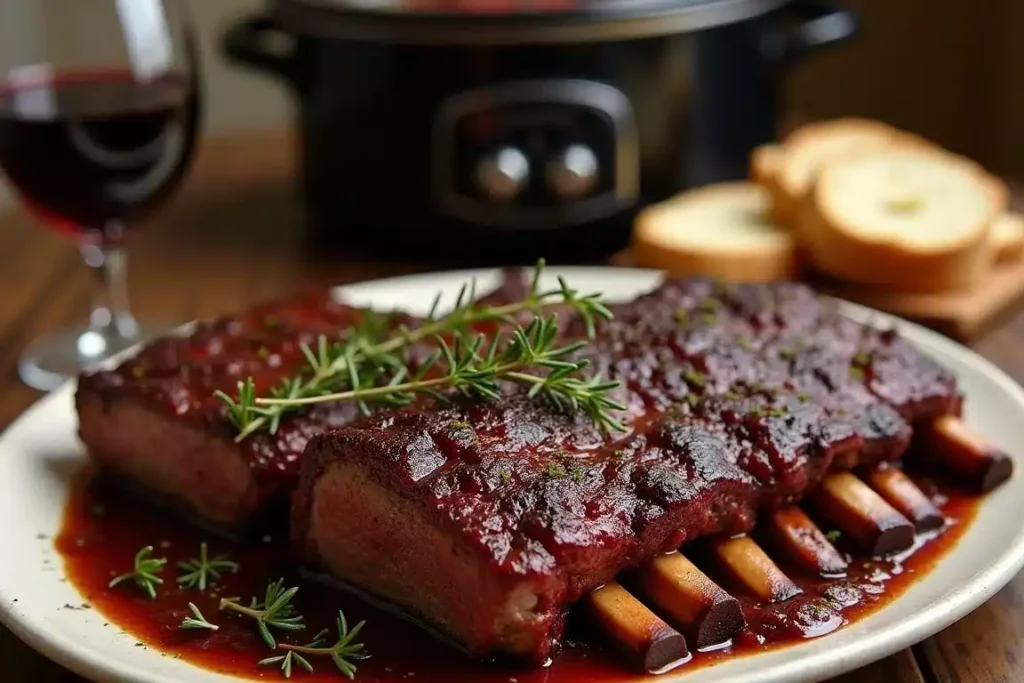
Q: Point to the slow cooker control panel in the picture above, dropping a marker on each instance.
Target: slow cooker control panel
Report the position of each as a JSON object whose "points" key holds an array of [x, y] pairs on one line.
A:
{"points": [[535, 154]]}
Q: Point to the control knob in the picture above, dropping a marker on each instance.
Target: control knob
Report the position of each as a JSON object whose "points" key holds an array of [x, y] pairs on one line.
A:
{"points": [[574, 172], [504, 174]]}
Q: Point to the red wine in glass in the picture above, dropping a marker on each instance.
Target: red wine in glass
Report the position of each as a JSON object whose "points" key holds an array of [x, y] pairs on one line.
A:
{"points": [[95, 152], [99, 109]]}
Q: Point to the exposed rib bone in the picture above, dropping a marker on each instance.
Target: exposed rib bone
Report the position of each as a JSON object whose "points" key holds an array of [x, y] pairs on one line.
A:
{"points": [[800, 538], [692, 601], [652, 644], [903, 494], [970, 458], [749, 565], [862, 514]]}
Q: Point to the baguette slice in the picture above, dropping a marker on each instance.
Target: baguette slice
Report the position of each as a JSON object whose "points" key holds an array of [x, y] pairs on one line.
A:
{"points": [[813, 145], [764, 163], [809, 147], [720, 231], [914, 219], [764, 170], [1008, 238]]}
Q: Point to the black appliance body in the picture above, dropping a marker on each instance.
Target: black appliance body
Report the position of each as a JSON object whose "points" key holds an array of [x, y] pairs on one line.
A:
{"points": [[488, 135]]}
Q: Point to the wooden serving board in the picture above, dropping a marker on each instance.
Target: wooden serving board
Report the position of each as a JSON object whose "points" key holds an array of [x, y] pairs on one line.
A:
{"points": [[961, 315]]}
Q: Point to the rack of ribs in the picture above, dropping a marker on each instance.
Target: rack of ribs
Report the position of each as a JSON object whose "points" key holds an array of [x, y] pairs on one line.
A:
{"points": [[487, 520]]}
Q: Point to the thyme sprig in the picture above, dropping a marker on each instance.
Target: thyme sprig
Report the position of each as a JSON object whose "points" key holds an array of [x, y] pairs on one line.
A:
{"points": [[144, 573], [354, 369], [288, 659], [197, 620], [341, 653], [473, 370], [276, 611], [202, 570]]}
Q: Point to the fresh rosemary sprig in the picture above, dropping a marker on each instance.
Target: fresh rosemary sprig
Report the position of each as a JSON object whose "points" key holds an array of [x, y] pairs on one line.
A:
{"points": [[364, 357], [276, 611], [342, 652], [200, 570], [145, 572], [293, 657], [197, 620], [286, 661], [473, 370]]}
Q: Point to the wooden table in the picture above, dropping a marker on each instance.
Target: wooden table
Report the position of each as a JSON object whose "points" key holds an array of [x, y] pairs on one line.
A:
{"points": [[233, 237]]}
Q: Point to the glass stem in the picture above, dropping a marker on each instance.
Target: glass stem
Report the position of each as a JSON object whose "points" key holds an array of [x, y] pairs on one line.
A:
{"points": [[111, 314]]}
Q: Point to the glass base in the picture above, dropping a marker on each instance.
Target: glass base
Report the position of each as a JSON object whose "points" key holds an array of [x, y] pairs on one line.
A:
{"points": [[50, 361]]}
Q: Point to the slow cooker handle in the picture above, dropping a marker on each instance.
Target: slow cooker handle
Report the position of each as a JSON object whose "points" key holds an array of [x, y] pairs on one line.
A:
{"points": [[822, 22], [248, 42]]}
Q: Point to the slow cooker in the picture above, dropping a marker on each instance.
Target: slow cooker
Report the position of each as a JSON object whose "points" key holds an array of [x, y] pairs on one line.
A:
{"points": [[504, 130]]}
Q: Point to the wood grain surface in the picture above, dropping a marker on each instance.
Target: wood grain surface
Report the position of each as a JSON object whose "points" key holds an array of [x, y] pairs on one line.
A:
{"points": [[235, 236]]}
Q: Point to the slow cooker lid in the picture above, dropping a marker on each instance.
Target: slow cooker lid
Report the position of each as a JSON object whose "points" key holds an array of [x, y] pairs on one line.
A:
{"points": [[512, 21], [494, 8]]}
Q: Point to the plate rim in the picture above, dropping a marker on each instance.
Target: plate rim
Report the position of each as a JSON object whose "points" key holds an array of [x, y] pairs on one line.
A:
{"points": [[89, 662]]}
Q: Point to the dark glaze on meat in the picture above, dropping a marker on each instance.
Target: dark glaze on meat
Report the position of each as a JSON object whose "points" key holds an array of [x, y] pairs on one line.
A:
{"points": [[739, 398], [179, 375], [155, 421], [729, 334]]}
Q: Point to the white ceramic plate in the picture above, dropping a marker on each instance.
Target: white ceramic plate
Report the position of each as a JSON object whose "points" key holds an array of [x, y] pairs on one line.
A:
{"points": [[39, 455]]}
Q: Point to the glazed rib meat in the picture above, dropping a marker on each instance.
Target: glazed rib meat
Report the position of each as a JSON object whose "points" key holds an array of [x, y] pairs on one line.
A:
{"points": [[485, 521], [155, 423]]}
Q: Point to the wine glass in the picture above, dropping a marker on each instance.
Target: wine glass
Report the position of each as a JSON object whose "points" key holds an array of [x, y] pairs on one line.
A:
{"points": [[99, 109]]}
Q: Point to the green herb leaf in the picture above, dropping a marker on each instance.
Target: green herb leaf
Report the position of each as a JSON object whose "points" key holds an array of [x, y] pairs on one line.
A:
{"points": [[697, 379], [200, 571], [276, 611], [197, 620], [287, 661], [366, 366], [709, 305], [145, 572], [555, 470], [342, 653]]}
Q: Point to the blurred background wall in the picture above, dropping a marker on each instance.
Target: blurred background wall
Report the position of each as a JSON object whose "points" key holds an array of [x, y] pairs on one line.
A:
{"points": [[947, 69]]}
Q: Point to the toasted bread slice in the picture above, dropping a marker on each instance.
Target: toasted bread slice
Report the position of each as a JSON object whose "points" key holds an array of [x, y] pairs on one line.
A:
{"points": [[764, 170], [764, 163], [1008, 238], [814, 144], [719, 230], [912, 218]]}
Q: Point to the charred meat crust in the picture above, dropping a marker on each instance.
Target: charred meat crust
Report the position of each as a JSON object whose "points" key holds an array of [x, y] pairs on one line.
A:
{"points": [[155, 420], [740, 398], [527, 512]]}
